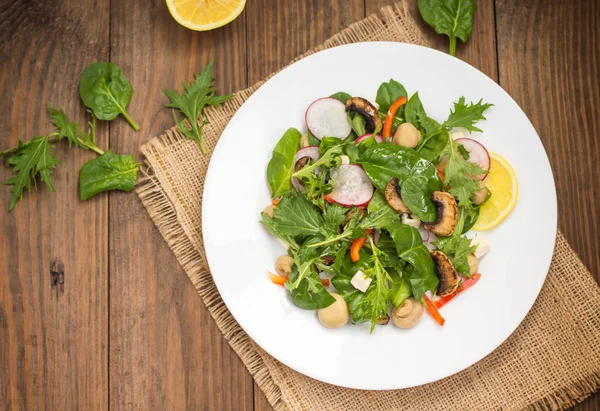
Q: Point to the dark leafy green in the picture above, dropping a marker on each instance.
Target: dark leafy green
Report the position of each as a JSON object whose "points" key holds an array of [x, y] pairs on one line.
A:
{"points": [[400, 288], [388, 93], [105, 90], [281, 166], [383, 162], [30, 160], [417, 198], [296, 216], [107, 172], [306, 290], [410, 248], [341, 96], [191, 103], [453, 18]]}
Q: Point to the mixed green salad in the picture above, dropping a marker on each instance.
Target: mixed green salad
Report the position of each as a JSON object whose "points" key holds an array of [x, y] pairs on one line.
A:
{"points": [[373, 203]]}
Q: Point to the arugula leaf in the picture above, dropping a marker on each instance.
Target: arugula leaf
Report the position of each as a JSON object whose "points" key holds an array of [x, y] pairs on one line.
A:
{"points": [[389, 92], [74, 132], [457, 248], [335, 215], [410, 248], [453, 18], [306, 290], [105, 90], [341, 96], [378, 294], [466, 115], [330, 159], [379, 218], [196, 96], [107, 172], [378, 202], [281, 166], [269, 223], [458, 175], [296, 216], [30, 160]]}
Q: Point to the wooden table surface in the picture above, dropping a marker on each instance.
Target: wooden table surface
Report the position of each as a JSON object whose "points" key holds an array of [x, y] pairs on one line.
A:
{"points": [[123, 328]]}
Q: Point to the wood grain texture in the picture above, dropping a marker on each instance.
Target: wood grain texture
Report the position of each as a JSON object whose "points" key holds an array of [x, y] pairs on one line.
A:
{"points": [[53, 336], [166, 352], [549, 55]]}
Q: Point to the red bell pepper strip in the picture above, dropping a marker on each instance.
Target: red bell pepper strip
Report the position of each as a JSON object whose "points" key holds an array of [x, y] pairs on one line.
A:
{"points": [[466, 284], [275, 201], [433, 311], [355, 249], [325, 282], [357, 245], [327, 198], [275, 279], [389, 117]]}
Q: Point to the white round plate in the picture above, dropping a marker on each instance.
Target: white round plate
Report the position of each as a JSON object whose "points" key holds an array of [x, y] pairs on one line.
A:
{"points": [[240, 251]]}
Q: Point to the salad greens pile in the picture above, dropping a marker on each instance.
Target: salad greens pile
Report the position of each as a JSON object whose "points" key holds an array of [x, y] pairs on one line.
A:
{"points": [[320, 233]]}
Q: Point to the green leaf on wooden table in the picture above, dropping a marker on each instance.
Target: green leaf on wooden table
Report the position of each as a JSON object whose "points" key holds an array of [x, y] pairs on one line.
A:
{"points": [[191, 103], [453, 18], [105, 90], [30, 160], [108, 172], [74, 132]]}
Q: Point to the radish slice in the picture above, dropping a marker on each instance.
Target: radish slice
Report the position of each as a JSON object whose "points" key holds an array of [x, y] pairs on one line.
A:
{"points": [[477, 154], [351, 186], [378, 138], [326, 117], [310, 151], [376, 236]]}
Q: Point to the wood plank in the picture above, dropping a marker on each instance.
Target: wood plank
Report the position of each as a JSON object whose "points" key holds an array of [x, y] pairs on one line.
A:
{"points": [[53, 329], [549, 63], [479, 51], [166, 353], [278, 32]]}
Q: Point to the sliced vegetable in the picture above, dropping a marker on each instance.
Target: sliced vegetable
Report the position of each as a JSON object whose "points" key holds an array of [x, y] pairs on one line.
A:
{"points": [[351, 186], [465, 285], [378, 139], [367, 110], [301, 158], [478, 154], [391, 113], [326, 117], [275, 279], [432, 310], [357, 245]]}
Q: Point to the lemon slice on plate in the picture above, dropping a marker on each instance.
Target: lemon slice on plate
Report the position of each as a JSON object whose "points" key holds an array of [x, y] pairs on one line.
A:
{"points": [[202, 15], [502, 182]]}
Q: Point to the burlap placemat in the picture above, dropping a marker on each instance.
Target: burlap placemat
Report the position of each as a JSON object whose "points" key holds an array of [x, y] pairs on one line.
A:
{"points": [[550, 362]]}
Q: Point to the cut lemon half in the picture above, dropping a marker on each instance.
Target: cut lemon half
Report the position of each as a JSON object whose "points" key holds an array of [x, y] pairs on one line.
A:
{"points": [[502, 182], [202, 15]]}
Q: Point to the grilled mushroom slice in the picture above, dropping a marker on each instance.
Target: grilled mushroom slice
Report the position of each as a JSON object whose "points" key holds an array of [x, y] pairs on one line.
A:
{"points": [[367, 110], [301, 163], [447, 214], [392, 195], [445, 272]]}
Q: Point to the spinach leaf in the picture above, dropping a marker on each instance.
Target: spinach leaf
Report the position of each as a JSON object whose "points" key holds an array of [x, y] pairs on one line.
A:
{"points": [[281, 166], [357, 122], [432, 147], [312, 140], [400, 289], [378, 202], [105, 90], [383, 162], [380, 218], [453, 18], [415, 114], [410, 248], [341, 96], [353, 297], [107, 172], [417, 198], [389, 92]]}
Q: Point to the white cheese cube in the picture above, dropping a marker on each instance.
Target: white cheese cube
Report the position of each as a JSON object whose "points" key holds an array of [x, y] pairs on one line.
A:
{"points": [[411, 220], [345, 159], [360, 281], [483, 245]]}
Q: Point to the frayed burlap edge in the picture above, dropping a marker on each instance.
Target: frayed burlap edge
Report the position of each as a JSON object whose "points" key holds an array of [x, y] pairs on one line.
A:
{"points": [[192, 259]]}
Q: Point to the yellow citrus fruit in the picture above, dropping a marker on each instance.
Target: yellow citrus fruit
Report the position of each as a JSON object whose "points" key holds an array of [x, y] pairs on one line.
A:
{"points": [[204, 15], [502, 182]]}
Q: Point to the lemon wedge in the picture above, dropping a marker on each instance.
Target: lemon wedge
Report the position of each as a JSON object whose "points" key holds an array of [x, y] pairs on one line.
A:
{"points": [[502, 182], [202, 15]]}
